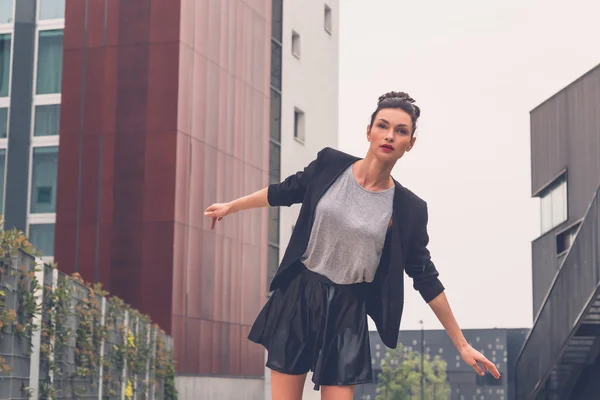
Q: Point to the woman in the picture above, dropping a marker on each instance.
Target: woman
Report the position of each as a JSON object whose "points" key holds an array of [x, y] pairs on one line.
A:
{"points": [[357, 233]]}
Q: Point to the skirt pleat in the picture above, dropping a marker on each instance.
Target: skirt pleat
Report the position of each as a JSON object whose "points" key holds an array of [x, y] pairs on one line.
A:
{"points": [[316, 325]]}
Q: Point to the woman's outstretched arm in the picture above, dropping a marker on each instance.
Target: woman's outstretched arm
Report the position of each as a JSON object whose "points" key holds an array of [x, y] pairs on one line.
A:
{"points": [[474, 358], [220, 210]]}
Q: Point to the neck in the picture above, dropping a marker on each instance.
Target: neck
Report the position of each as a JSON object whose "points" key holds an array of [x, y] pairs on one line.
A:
{"points": [[371, 173]]}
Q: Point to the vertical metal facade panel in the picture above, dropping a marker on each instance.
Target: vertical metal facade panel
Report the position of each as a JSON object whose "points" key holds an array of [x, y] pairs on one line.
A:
{"points": [[166, 110], [565, 134], [545, 265], [222, 153], [117, 155], [21, 97]]}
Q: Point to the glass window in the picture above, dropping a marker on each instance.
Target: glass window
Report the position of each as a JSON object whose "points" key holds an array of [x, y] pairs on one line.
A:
{"points": [[3, 123], [5, 40], [554, 208], [52, 9], [274, 225], [296, 44], [43, 181], [49, 68], [2, 168], [274, 163], [47, 120], [328, 22], [42, 237], [6, 11], [277, 20], [275, 116], [272, 262], [299, 125]]}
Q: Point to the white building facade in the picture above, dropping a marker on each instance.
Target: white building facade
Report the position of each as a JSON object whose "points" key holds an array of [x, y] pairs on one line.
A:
{"points": [[308, 32]]}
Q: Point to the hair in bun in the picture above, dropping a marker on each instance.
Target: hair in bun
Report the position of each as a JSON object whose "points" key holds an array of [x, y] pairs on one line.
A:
{"points": [[400, 100]]}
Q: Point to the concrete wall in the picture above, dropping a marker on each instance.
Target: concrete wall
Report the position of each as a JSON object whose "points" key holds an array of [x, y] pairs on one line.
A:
{"points": [[310, 83], [217, 388]]}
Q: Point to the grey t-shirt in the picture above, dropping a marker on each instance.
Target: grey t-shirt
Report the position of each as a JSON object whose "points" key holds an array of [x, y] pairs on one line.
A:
{"points": [[349, 230]]}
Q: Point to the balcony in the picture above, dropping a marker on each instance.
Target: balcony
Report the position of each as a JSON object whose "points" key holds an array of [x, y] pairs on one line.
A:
{"points": [[565, 337]]}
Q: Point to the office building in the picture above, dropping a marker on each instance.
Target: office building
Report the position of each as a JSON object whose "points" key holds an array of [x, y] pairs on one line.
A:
{"points": [[31, 48], [501, 346], [560, 358]]}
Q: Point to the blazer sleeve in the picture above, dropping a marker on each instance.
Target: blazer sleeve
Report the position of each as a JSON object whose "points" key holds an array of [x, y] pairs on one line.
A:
{"points": [[293, 188], [419, 265]]}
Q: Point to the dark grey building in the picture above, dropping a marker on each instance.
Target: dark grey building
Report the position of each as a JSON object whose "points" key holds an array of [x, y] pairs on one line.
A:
{"points": [[501, 346], [31, 56], [560, 357]]}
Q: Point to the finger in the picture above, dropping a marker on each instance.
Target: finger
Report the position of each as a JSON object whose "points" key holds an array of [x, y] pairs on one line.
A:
{"points": [[491, 367], [478, 369]]}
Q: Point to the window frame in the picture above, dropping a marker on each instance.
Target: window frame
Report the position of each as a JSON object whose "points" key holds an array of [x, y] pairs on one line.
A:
{"points": [[49, 25], [547, 193], [7, 28], [42, 219], [571, 229], [30, 181], [296, 44], [50, 21], [41, 141], [328, 19], [299, 125]]}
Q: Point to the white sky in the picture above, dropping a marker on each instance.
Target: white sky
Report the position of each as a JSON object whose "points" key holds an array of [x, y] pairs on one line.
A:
{"points": [[476, 69]]}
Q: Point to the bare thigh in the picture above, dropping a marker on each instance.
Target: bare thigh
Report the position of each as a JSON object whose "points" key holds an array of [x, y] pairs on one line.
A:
{"points": [[286, 387], [337, 392]]}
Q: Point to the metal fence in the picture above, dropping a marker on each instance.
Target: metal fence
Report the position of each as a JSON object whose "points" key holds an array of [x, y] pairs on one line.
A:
{"points": [[570, 295], [93, 348]]}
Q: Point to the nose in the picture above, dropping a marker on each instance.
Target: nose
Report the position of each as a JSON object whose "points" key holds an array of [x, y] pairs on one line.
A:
{"points": [[389, 136]]}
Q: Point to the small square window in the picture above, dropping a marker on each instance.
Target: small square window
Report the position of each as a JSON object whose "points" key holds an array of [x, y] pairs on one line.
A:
{"points": [[299, 125], [328, 17], [565, 239], [44, 195], [296, 44], [3, 122]]}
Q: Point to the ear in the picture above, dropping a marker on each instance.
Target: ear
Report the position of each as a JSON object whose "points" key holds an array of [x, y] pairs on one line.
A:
{"points": [[412, 143], [369, 133]]}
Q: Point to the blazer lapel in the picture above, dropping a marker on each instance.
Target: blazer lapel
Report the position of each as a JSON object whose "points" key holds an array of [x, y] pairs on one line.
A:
{"points": [[398, 222]]}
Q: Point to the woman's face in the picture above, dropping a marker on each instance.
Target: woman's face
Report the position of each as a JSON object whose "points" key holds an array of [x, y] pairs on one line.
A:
{"points": [[390, 136]]}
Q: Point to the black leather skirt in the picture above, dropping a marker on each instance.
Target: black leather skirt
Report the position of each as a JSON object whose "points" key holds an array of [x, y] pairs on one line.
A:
{"points": [[316, 325]]}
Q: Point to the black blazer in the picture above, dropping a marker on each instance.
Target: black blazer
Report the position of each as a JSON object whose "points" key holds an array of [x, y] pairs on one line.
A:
{"points": [[405, 244]]}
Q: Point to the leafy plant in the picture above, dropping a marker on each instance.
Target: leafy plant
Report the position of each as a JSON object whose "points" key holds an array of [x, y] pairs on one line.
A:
{"points": [[400, 377], [73, 323]]}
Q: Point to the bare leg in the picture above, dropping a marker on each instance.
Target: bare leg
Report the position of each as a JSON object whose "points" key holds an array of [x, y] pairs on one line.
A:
{"points": [[286, 387], [337, 392]]}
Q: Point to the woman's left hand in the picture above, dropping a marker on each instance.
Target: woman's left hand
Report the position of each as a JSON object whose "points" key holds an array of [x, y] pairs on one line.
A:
{"points": [[478, 361]]}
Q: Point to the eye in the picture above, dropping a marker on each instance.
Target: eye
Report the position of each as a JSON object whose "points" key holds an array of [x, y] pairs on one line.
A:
{"points": [[381, 126], [402, 131]]}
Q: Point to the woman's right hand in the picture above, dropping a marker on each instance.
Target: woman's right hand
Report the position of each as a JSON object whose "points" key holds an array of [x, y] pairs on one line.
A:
{"points": [[217, 212]]}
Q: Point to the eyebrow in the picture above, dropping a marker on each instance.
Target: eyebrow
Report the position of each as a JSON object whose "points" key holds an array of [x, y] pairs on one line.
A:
{"points": [[387, 122]]}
